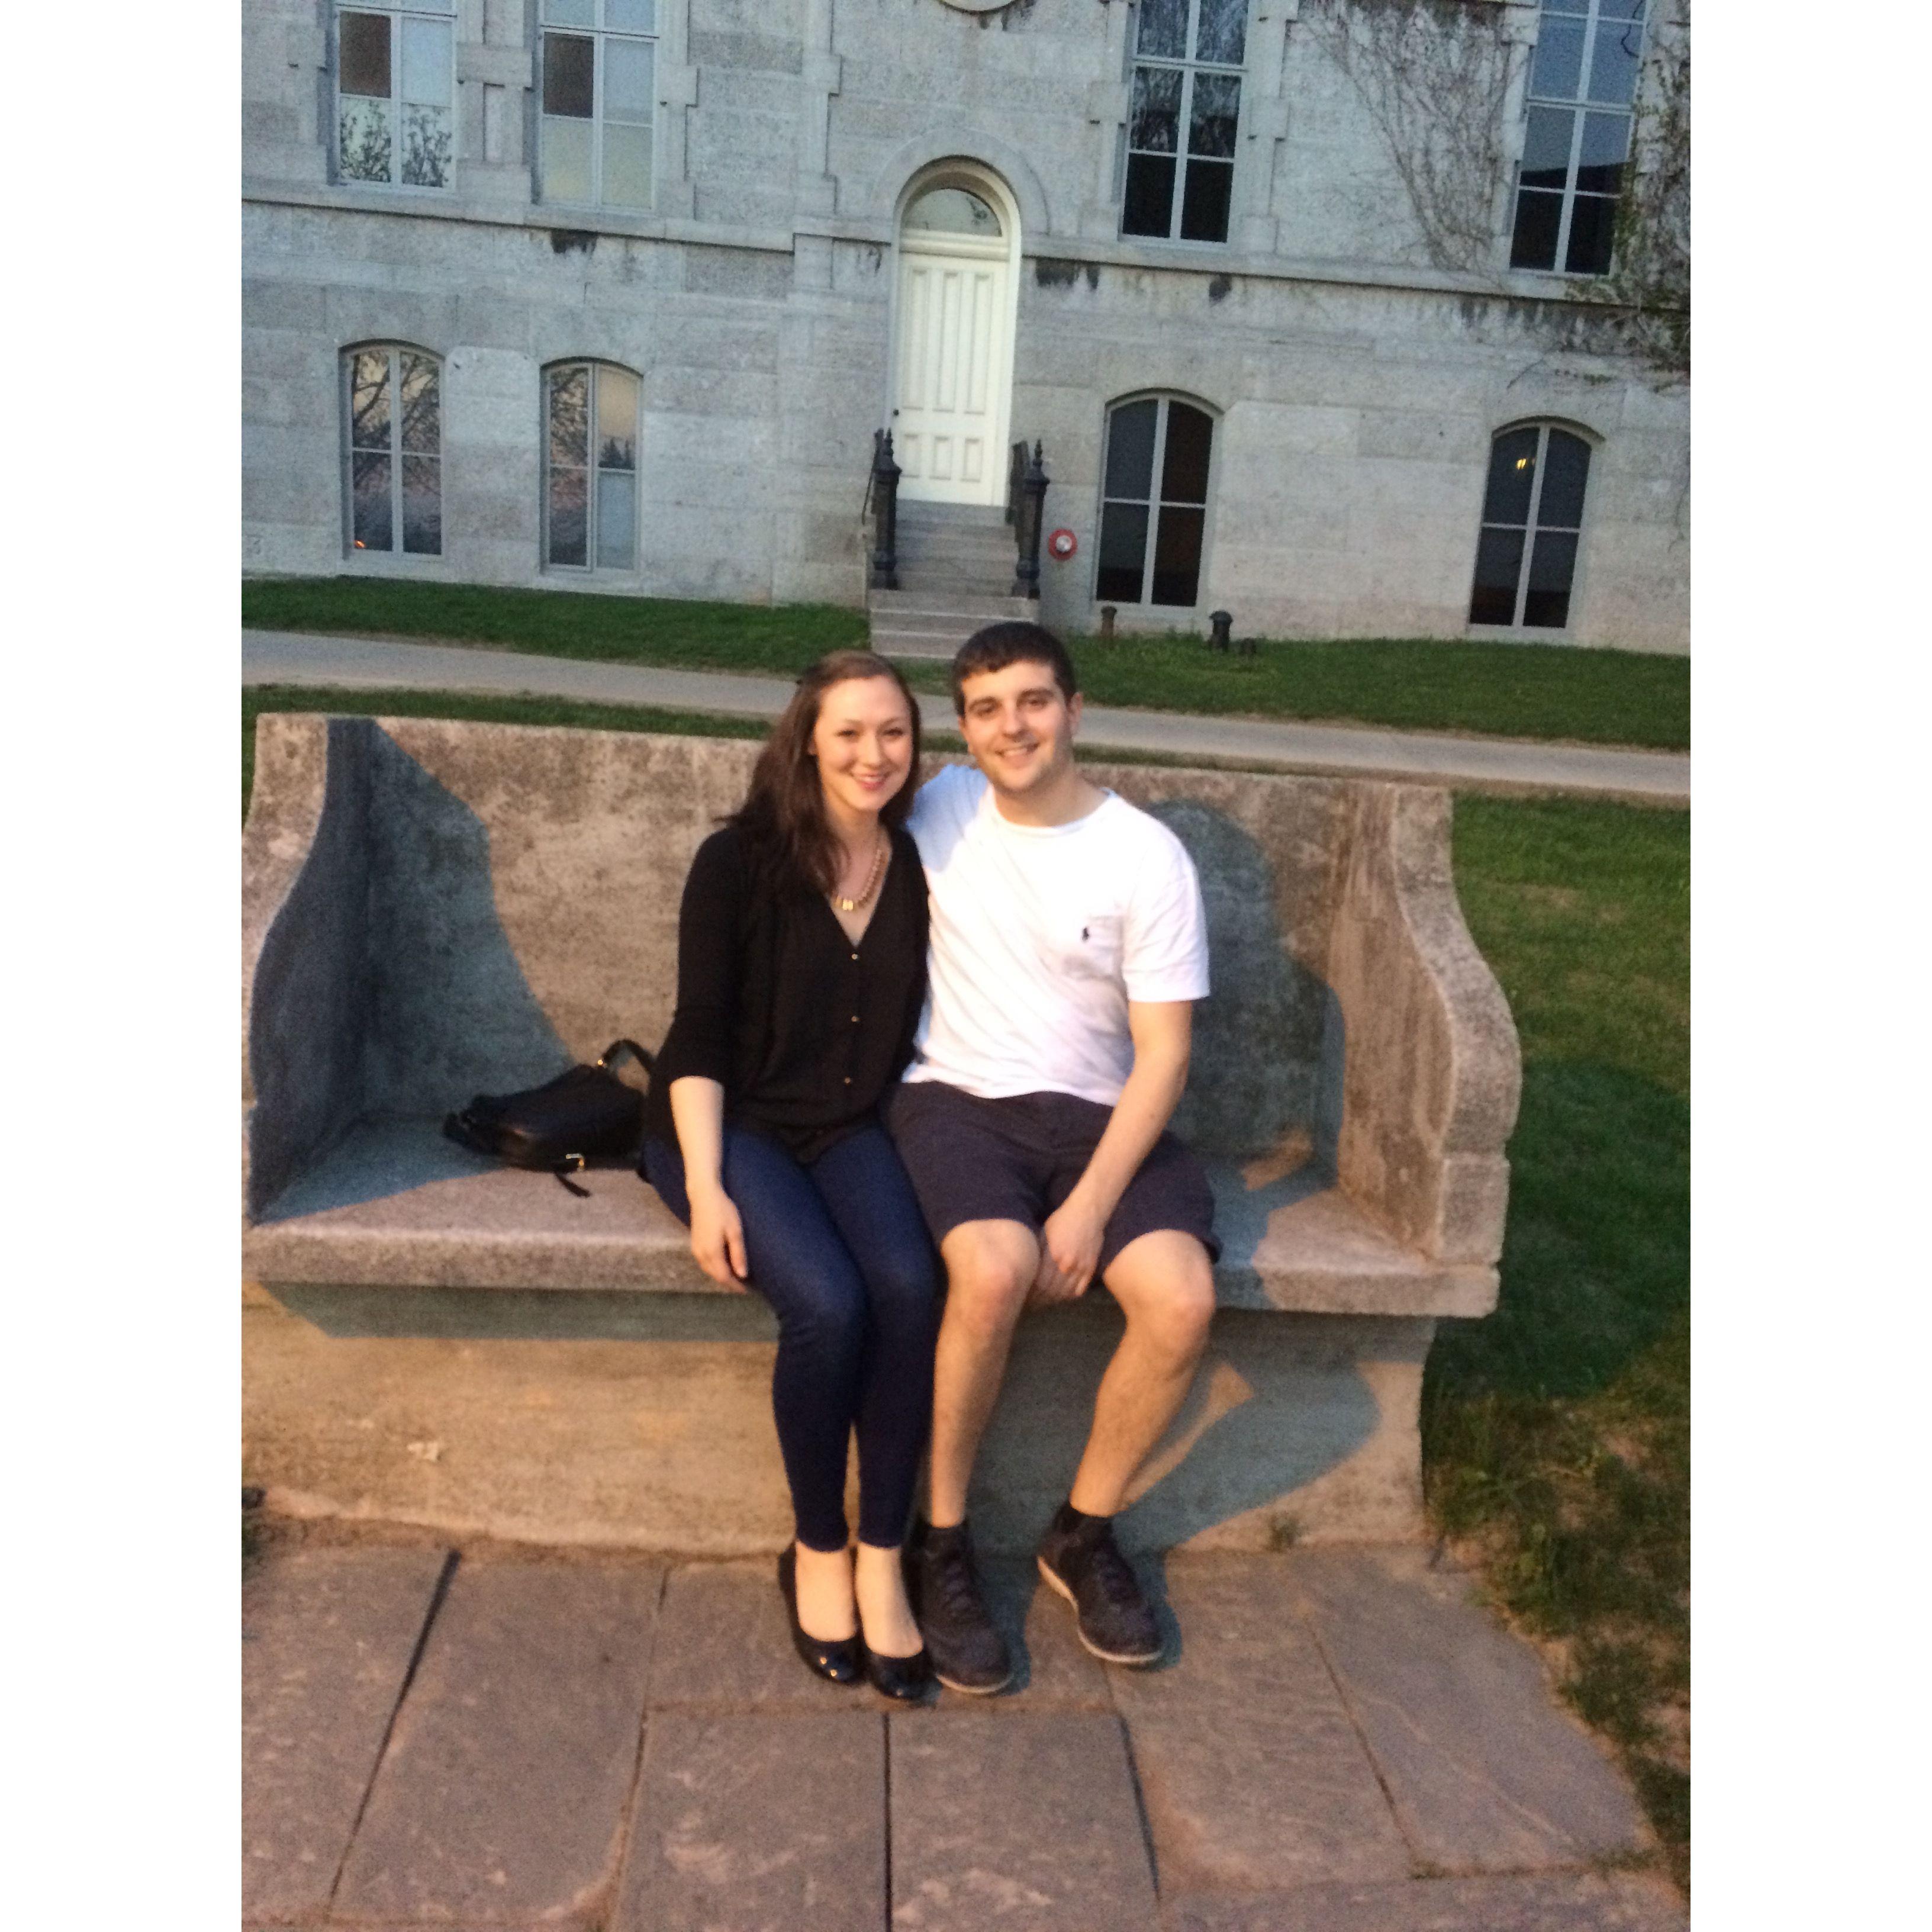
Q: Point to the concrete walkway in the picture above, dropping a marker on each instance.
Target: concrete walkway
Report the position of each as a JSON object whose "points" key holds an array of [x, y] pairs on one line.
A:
{"points": [[1339, 1741], [1661, 777]]}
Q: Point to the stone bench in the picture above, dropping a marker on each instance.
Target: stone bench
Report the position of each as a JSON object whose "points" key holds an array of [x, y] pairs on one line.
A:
{"points": [[432, 909]]}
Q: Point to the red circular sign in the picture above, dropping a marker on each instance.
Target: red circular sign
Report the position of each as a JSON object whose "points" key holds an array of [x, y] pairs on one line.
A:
{"points": [[1063, 544]]}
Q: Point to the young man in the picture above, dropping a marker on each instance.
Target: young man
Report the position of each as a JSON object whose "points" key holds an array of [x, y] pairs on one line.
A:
{"points": [[1068, 944]]}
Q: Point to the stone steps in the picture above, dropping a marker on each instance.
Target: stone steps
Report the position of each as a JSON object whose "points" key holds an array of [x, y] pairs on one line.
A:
{"points": [[955, 571]]}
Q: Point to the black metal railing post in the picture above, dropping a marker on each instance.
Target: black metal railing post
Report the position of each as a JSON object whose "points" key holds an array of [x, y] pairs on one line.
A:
{"points": [[885, 513], [1026, 532]]}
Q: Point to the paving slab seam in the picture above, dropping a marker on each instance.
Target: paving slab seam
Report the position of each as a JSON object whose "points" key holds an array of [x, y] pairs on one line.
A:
{"points": [[1140, 1799], [611, 1889], [1415, 1859], [444, 1577], [885, 1804]]}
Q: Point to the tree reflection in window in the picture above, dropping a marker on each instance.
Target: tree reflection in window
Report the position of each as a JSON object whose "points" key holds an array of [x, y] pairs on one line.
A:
{"points": [[394, 84], [590, 506], [395, 481], [1151, 539]]}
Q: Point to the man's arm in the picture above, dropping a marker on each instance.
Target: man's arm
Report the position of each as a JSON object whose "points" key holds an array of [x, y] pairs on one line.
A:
{"points": [[1069, 1248]]}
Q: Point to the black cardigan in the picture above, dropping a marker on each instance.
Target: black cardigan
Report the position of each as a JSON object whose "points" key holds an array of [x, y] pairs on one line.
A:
{"points": [[805, 1031]]}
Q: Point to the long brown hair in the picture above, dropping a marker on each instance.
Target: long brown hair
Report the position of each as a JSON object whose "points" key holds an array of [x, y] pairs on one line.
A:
{"points": [[784, 810]]}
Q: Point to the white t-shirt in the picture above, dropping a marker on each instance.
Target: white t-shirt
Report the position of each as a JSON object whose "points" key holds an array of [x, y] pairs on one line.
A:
{"points": [[1041, 934]]}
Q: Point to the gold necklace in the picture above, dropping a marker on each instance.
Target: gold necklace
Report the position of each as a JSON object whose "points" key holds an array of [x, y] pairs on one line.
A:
{"points": [[879, 851]]}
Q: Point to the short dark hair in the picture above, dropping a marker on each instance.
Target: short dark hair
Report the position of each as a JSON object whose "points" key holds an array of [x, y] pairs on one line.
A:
{"points": [[1012, 642]]}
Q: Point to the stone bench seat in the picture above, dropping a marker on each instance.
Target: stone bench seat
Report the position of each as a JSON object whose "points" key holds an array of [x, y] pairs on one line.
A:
{"points": [[434, 909], [396, 1205]]}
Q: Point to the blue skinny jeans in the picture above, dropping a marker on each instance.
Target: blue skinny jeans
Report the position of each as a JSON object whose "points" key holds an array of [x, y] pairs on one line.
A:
{"points": [[841, 1252]]}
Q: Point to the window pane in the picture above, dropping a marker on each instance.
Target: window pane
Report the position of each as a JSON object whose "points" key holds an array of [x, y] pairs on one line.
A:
{"points": [[568, 75], [1203, 206], [369, 399], [426, 146], [953, 211], [566, 159], [1223, 27], [570, 418], [628, 92], [362, 140], [1621, 10], [567, 507], [616, 519], [422, 425], [1212, 115], [369, 504], [1613, 67], [1558, 72], [616, 419], [570, 13], [1538, 217], [1545, 148], [1553, 563], [1130, 450], [1184, 469], [1512, 477], [1593, 220], [1122, 551], [1164, 29], [426, 62], [1177, 556], [1153, 116], [364, 55], [631, 17], [1148, 206], [422, 505], [1566, 468], [1606, 147], [627, 166], [1498, 565]]}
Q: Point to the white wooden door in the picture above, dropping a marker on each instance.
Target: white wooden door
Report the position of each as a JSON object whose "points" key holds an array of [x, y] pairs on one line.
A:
{"points": [[953, 360]]}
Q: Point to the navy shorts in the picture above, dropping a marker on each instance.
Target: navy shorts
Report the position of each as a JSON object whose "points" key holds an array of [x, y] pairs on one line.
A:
{"points": [[1017, 1159]]}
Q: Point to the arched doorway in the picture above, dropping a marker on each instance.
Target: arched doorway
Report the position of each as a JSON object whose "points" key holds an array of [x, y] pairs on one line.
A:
{"points": [[957, 292]]}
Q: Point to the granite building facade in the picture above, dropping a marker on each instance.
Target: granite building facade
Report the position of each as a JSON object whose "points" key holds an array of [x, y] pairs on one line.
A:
{"points": [[613, 294]]}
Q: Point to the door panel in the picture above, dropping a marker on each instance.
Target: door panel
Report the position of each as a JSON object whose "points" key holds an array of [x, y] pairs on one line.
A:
{"points": [[952, 364]]}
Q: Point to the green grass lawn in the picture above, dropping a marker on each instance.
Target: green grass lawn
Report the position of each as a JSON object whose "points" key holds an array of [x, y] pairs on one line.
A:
{"points": [[1526, 691], [1556, 1434]]}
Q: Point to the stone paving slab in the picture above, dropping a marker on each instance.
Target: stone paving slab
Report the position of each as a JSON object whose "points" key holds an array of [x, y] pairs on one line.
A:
{"points": [[326, 1638], [724, 1644], [1252, 1773], [1536, 1902], [758, 1822], [1486, 1772], [1015, 1821], [502, 1796]]}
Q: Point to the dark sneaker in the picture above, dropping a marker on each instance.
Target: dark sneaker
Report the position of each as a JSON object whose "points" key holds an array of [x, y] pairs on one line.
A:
{"points": [[968, 1654], [1086, 1566]]}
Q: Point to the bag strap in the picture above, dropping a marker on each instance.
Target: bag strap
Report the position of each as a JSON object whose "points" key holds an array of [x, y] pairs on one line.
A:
{"points": [[628, 1048]]}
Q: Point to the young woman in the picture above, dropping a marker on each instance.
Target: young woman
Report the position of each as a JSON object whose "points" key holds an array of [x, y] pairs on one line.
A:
{"points": [[801, 973]]}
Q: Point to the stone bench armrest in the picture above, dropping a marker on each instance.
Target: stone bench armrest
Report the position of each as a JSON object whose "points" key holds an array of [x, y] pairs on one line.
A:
{"points": [[1431, 1070]]}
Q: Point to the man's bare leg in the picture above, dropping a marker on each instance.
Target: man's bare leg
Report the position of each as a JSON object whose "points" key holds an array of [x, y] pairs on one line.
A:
{"points": [[990, 1266], [1165, 1284]]}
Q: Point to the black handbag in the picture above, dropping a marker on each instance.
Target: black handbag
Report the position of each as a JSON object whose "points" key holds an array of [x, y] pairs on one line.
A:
{"points": [[586, 1113]]}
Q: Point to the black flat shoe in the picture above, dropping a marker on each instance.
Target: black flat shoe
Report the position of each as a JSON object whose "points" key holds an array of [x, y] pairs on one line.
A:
{"points": [[838, 1660], [905, 1679]]}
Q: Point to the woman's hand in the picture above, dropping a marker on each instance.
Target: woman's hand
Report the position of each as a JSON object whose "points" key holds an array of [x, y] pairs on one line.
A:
{"points": [[718, 1239]]}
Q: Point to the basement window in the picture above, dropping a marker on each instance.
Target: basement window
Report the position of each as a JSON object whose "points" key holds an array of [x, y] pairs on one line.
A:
{"points": [[590, 466], [392, 459], [1150, 537], [1532, 523]]}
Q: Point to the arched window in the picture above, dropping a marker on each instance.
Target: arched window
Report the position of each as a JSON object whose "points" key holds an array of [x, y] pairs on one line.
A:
{"points": [[1150, 531], [392, 397], [590, 466], [1532, 517]]}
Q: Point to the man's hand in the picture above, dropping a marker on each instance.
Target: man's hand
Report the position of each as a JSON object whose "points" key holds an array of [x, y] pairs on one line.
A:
{"points": [[1070, 1251], [718, 1239]]}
